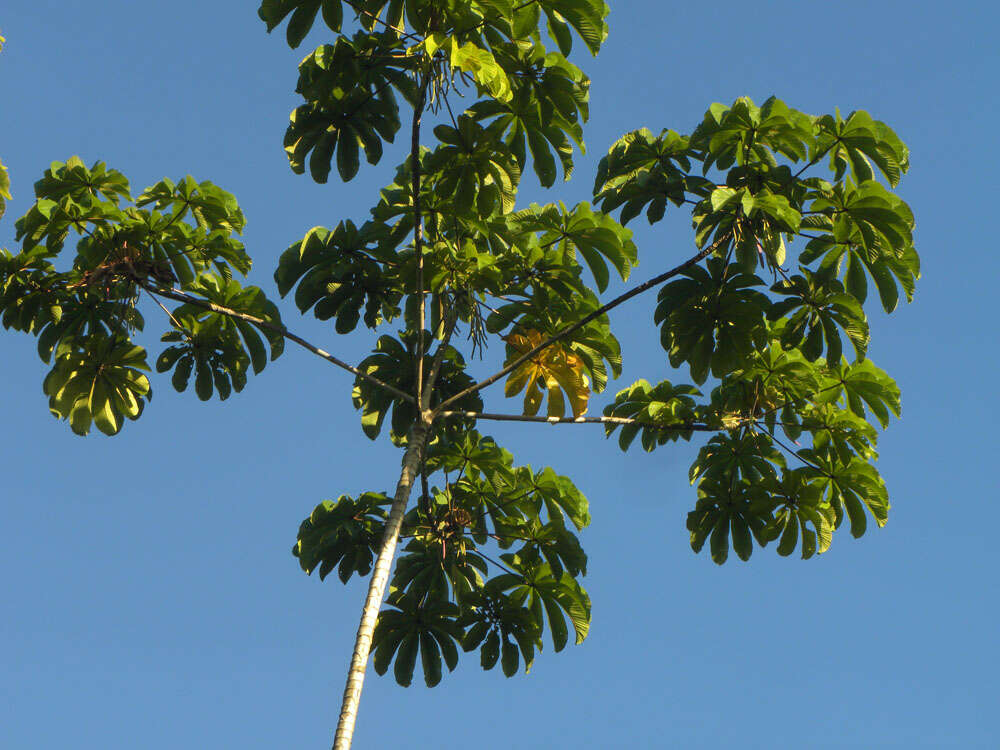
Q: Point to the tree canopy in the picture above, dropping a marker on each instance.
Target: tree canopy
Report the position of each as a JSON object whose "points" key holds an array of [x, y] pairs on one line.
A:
{"points": [[797, 229]]}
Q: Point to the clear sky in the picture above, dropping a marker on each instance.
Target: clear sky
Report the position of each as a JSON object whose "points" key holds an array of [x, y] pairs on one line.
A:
{"points": [[149, 598]]}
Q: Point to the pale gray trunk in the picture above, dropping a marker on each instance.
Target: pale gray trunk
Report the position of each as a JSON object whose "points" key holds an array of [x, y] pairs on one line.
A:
{"points": [[376, 588]]}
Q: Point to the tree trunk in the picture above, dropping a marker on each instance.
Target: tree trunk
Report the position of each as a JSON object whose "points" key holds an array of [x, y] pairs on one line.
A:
{"points": [[376, 588], [411, 463]]}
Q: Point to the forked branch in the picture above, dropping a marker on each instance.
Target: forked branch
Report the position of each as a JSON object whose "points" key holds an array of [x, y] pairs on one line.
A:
{"points": [[657, 280]]}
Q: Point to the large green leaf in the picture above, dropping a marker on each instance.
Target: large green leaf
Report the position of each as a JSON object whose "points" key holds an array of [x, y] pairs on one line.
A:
{"points": [[350, 105], [820, 308], [344, 535], [336, 273], [661, 413], [712, 319], [98, 381], [429, 627]]}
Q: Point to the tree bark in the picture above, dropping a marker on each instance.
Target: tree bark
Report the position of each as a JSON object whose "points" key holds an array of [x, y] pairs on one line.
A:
{"points": [[376, 588]]}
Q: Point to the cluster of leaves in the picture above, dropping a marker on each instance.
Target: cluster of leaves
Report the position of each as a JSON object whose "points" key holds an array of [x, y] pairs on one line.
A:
{"points": [[793, 442], [179, 237], [451, 588], [791, 446], [534, 99], [785, 389], [475, 246]]}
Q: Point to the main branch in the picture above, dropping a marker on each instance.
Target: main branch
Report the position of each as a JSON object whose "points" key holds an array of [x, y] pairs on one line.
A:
{"points": [[680, 426], [179, 296], [418, 229]]}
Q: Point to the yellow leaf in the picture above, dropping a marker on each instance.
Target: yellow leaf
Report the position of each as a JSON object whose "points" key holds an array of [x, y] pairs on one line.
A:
{"points": [[555, 370]]}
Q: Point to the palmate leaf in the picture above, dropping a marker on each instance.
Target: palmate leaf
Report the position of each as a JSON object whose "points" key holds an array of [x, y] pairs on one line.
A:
{"points": [[65, 202], [412, 626], [871, 229], [344, 535], [98, 380], [558, 87], [551, 543], [849, 488], [210, 350], [548, 597], [543, 116], [439, 562], [840, 431], [335, 274], [586, 17], [662, 404], [859, 141], [597, 237], [217, 347], [523, 131], [802, 518], [496, 623], [751, 456], [191, 249], [127, 243], [473, 453], [862, 384], [350, 105], [729, 509], [769, 387], [556, 301], [303, 12], [712, 319], [788, 509], [821, 310], [558, 495], [489, 488], [517, 491], [26, 301], [744, 134], [473, 169], [554, 371], [641, 171], [73, 179], [83, 314], [543, 111]]}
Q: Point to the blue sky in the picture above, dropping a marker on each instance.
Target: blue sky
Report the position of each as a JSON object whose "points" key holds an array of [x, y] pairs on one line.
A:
{"points": [[149, 597]]}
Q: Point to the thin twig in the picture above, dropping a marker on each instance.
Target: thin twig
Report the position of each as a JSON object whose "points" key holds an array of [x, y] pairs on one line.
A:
{"points": [[180, 296], [169, 314], [795, 453], [450, 324], [498, 564]]}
